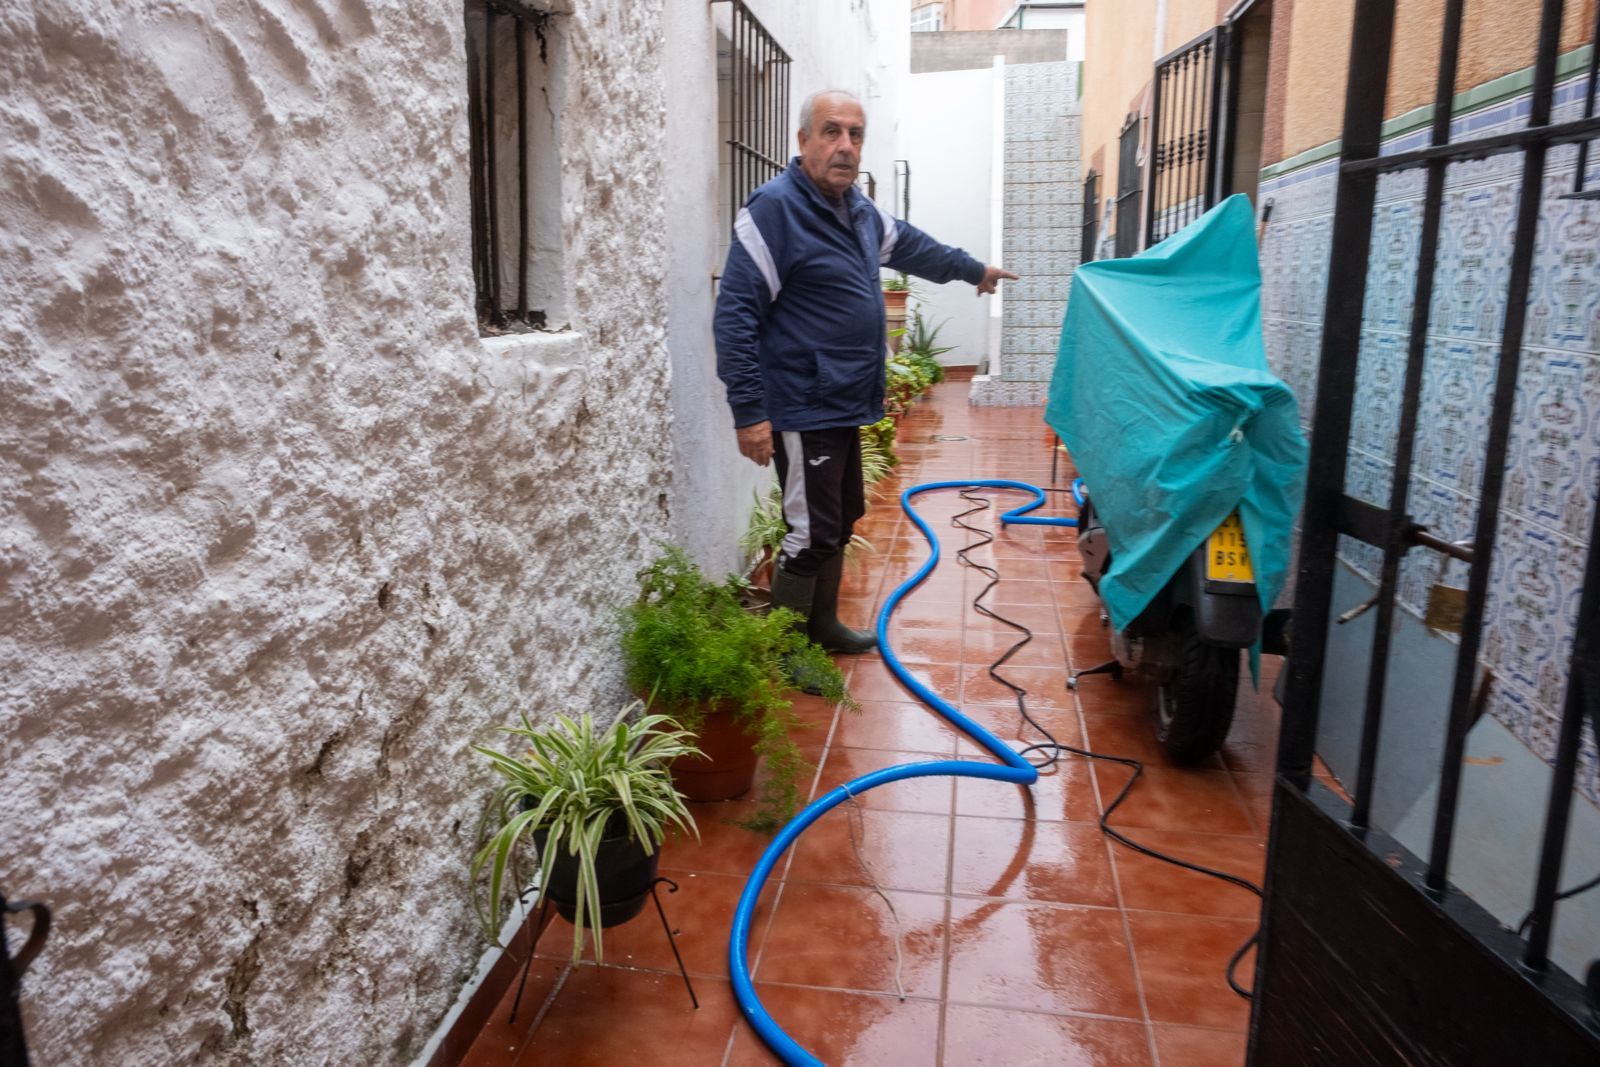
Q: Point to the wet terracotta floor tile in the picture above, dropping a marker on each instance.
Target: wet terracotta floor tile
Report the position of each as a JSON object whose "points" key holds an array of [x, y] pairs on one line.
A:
{"points": [[1046, 958], [994, 1037], [608, 1015], [1059, 862], [845, 1028], [1183, 968], [1189, 1046], [843, 937], [1024, 935]]}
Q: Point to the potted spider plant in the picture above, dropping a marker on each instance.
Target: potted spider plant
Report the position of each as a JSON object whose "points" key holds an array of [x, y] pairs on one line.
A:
{"points": [[597, 804], [723, 667]]}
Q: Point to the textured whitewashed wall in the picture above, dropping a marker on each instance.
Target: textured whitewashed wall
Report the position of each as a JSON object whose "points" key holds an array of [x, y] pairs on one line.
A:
{"points": [[279, 536]]}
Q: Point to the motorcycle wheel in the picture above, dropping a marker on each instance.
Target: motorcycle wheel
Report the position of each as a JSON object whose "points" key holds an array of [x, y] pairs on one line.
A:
{"points": [[1195, 710]]}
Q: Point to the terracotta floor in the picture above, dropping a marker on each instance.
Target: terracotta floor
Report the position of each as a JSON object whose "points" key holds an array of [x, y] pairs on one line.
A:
{"points": [[1028, 937]]}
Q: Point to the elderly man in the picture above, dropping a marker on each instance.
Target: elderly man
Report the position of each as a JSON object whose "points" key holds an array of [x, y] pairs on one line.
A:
{"points": [[800, 345]]}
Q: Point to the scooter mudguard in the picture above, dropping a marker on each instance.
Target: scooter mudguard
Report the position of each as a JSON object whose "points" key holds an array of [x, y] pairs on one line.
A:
{"points": [[1226, 614]]}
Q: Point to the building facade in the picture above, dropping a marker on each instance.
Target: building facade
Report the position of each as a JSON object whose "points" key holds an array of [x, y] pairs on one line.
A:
{"points": [[1272, 123]]}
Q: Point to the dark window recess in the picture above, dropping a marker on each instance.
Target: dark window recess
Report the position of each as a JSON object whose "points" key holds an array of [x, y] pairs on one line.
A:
{"points": [[1129, 190], [759, 97], [1183, 138], [502, 40], [1091, 217]]}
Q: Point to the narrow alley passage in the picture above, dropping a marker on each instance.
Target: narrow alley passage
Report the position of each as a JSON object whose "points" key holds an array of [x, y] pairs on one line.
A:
{"points": [[1026, 935]]}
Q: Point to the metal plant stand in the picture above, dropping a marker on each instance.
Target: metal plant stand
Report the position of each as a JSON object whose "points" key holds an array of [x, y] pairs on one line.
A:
{"points": [[544, 919]]}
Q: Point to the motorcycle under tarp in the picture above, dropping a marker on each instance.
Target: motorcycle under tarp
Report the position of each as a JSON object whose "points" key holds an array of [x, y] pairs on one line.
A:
{"points": [[1162, 395]]}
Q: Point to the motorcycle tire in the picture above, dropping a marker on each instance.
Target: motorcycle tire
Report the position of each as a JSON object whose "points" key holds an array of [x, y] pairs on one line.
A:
{"points": [[1194, 711]]}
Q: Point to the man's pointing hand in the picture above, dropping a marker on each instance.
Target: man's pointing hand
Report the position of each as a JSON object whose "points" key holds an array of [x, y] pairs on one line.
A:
{"points": [[991, 279]]}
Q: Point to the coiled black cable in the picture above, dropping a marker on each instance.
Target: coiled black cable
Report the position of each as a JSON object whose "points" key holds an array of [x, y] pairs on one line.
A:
{"points": [[1056, 749]]}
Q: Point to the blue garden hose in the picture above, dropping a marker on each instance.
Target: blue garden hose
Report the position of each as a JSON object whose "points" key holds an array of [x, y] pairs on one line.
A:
{"points": [[1012, 768]]}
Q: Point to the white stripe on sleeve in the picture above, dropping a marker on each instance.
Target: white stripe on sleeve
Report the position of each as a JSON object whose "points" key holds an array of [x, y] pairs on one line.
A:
{"points": [[755, 247], [891, 233]]}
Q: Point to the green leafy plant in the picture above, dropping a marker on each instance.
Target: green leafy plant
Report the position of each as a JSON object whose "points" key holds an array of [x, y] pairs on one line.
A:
{"points": [[898, 284], [921, 346], [882, 436], [691, 643], [877, 461], [906, 380], [578, 785]]}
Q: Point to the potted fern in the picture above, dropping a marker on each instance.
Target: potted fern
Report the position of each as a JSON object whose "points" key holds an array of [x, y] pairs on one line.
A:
{"points": [[723, 668], [597, 804]]}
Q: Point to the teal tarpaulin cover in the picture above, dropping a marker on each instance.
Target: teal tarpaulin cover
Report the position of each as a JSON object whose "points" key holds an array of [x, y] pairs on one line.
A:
{"points": [[1162, 394]]}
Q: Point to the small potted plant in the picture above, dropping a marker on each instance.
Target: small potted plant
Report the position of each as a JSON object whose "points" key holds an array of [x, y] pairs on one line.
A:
{"points": [[597, 804], [896, 291], [723, 668]]}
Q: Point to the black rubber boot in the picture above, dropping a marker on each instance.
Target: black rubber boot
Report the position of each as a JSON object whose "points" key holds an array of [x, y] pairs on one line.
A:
{"points": [[826, 629], [797, 594]]}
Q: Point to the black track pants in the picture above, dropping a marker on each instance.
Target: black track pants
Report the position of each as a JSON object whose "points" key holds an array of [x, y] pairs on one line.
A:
{"points": [[820, 474]]}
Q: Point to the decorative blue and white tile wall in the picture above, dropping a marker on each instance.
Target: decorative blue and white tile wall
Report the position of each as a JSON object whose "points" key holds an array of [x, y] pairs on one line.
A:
{"points": [[1554, 463], [1042, 218]]}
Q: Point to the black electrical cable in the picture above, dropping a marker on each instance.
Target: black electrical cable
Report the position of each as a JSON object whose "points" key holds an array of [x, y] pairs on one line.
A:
{"points": [[1582, 887], [1056, 748]]}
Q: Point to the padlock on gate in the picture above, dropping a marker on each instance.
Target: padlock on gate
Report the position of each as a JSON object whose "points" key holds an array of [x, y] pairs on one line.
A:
{"points": [[1447, 603]]}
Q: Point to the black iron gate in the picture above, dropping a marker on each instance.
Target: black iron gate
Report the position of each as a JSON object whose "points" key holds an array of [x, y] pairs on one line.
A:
{"points": [[1371, 954], [1129, 188], [1184, 126]]}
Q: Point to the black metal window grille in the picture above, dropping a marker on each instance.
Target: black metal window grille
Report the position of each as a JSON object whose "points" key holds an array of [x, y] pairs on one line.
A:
{"points": [[867, 184], [1091, 217], [759, 144], [902, 187], [1331, 512], [1129, 189], [1578, 191], [1183, 126], [500, 36]]}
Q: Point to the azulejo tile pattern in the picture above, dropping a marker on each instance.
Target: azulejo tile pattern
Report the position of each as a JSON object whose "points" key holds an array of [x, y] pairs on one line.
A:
{"points": [[1041, 218], [1553, 466]]}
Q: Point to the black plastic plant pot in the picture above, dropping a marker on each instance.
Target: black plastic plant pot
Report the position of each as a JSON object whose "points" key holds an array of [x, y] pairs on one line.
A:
{"points": [[623, 874]]}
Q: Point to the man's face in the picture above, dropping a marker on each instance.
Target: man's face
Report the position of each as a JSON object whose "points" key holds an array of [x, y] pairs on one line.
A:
{"points": [[830, 151]]}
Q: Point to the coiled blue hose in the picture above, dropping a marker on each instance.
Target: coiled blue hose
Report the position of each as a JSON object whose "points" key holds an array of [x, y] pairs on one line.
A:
{"points": [[1012, 768]]}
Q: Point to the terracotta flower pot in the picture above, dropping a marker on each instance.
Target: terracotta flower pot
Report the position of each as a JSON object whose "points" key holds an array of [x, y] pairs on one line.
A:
{"points": [[729, 768]]}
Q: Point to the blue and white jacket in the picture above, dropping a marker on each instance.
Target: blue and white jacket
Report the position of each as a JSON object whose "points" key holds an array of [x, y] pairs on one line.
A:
{"points": [[800, 321]]}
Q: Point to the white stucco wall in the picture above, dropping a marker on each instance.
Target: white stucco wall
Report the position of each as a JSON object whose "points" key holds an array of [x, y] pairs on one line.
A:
{"points": [[279, 536], [948, 135], [859, 45]]}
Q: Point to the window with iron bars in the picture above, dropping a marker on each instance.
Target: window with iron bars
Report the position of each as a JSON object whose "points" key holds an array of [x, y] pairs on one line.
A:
{"points": [[753, 106], [515, 171], [1091, 212], [1130, 189]]}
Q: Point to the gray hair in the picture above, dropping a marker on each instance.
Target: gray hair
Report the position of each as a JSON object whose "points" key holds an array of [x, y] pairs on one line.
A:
{"points": [[806, 107]]}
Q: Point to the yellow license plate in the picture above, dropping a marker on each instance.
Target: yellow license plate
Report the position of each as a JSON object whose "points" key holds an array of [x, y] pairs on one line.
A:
{"points": [[1227, 556]]}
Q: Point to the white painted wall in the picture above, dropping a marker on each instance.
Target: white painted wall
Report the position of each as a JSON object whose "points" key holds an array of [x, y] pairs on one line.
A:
{"points": [[858, 45], [948, 135]]}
